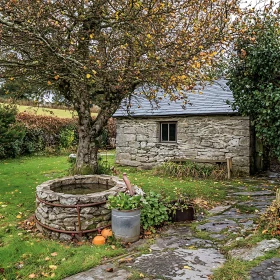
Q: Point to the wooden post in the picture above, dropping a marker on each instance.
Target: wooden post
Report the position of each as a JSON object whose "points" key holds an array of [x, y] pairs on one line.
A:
{"points": [[229, 166]]}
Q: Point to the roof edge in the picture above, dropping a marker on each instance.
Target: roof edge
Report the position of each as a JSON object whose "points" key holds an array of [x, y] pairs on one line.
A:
{"points": [[180, 115]]}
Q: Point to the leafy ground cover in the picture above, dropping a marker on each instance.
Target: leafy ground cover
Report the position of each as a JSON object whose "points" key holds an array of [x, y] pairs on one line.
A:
{"points": [[26, 254]]}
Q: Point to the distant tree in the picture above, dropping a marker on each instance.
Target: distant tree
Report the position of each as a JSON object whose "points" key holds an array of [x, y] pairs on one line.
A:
{"points": [[18, 89], [99, 51], [255, 75]]}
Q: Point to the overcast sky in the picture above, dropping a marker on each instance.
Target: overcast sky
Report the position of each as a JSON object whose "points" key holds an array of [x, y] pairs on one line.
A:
{"points": [[253, 3]]}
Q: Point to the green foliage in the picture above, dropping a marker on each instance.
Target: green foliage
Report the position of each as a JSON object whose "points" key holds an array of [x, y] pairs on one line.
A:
{"points": [[66, 137], [192, 169], [153, 212], [181, 202], [254, 77], [102, 168], [34, 141], [233, 269], [108, 132], [11, 133], [18, 88], [46, 134], [123, 201]]}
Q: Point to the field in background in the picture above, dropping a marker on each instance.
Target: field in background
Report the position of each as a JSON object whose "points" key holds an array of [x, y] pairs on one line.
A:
{"points": [[60, 113]]}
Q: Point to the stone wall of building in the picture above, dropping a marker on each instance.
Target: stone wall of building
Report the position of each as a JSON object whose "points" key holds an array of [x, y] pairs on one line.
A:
{"points": [[200, 137]]}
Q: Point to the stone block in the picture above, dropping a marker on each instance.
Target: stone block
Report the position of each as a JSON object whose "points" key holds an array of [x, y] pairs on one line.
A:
{"points": [[52, 217], [205, 143], [123, 156], [88, 210], [68, 200], [65, 237], [234, 142], [141, 137], [219, 145], [244, 141], [129, 137]]}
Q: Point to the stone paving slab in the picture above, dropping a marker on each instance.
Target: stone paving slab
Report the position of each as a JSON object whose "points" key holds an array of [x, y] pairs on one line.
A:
{"points": [[249, 254], [219, 209], [217, 227], [256, 193], [181, 264], [100, 273], [266, 270]]}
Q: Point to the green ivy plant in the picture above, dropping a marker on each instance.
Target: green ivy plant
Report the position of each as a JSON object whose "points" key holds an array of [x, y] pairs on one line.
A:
{"points": [[123, 201], [254, 76], [153, 212]]}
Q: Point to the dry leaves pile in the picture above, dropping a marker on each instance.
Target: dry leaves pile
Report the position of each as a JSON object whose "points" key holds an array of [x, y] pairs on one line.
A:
{"points": [[269, 222]]}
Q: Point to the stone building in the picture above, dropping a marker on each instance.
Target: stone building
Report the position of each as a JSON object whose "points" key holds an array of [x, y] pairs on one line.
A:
{"points": [[207, 128]]}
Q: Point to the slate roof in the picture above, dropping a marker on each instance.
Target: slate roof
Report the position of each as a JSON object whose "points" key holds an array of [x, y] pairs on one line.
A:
{"points": [[212, 101]]}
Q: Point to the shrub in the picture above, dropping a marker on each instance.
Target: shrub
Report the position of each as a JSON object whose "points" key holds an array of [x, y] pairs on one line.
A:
{"points": [[153, 212], [192, 169], [67, 137], [108, 135], [44, 133], [11, 133], [33, 141], [123, 201], [268, 222]]}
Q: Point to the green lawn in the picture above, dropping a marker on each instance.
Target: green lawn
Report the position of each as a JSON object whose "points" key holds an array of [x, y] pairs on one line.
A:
{"points": [[23, 253]]}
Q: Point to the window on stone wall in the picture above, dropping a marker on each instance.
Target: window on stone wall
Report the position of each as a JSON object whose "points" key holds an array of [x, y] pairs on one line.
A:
{"points": [[168, 132]]}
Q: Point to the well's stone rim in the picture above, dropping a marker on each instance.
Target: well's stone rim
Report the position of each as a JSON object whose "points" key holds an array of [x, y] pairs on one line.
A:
{"points": [[44, 191], [58, 210]]}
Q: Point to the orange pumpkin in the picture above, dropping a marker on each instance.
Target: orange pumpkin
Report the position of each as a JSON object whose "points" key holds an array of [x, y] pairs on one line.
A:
{"points": [[106, 232], [98, 240]]}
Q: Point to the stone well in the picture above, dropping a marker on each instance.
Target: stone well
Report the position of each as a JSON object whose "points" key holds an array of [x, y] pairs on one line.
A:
{"points": [[62, 215]]}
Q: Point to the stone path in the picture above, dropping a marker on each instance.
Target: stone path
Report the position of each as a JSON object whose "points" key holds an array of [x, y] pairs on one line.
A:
{"points": [[177, 254]]}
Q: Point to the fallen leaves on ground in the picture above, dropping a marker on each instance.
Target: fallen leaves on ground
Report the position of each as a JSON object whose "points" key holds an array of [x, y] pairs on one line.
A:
{"points": [[125, 260], [109, 269]]}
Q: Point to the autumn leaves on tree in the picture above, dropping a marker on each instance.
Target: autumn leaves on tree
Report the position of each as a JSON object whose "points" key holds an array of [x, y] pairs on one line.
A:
{"points": [[99, 51]]}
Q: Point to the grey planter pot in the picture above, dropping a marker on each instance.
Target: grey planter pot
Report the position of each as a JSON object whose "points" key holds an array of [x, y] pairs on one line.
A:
{"points": [[126, 224]]}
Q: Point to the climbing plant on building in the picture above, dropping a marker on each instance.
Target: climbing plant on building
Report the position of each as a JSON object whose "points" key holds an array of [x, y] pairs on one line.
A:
{"points": [[255, 75]]}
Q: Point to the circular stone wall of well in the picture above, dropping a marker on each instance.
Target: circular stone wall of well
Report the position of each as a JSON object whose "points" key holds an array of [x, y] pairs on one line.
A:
{"points": [[62, 215]]}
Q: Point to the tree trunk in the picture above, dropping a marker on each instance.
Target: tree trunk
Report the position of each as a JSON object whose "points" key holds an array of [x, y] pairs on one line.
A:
{"points": [[86, 161], [90, 131]]}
